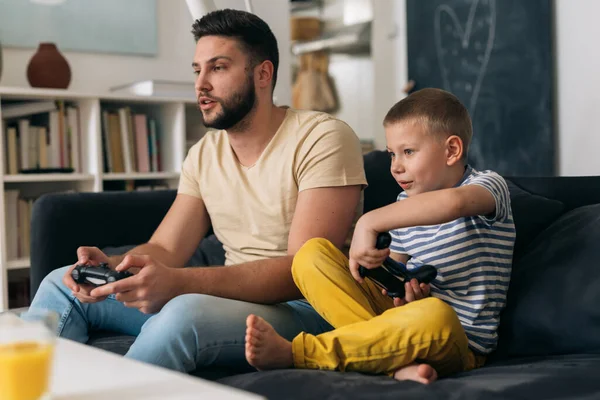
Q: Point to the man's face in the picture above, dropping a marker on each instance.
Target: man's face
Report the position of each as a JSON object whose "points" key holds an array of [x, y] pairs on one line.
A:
{"points": [[418, 157], [224, 82]]}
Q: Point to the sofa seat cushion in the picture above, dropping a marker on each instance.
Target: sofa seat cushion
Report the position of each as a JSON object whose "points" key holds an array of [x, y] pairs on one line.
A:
{"points": [[572, 377], [553, 303], [111, 341]]}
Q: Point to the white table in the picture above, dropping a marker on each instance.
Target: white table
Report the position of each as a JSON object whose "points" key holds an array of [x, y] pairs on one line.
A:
{"points": [[87, 373]]}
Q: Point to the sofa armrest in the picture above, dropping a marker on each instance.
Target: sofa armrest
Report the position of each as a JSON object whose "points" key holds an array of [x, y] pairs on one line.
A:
{"points": [[60, 223]]}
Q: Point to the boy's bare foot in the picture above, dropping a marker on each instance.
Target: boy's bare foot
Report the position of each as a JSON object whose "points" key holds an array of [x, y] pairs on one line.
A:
{"points": [[422, 373], [265, 349]]}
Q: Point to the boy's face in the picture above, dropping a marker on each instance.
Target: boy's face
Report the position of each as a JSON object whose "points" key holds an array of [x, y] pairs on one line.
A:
{"points": [[419, 160]]}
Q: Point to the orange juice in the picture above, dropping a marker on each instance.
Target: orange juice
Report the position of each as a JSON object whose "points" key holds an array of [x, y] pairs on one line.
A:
{"points": [[24, 370]]}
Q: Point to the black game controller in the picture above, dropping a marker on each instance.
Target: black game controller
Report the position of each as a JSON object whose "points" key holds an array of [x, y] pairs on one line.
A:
{"points": [[393, 275], [97, 276]]}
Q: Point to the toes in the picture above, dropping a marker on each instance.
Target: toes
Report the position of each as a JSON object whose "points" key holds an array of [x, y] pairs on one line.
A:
{"points": [[251, 321], [254, 339], [258, 323], [262, 325], [426, 373]]}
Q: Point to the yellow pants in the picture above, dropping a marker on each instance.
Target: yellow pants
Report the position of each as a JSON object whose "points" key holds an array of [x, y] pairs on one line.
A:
{"points": [[371, 335]]}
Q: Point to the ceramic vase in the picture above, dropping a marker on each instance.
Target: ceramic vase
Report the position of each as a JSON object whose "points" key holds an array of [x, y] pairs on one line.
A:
{"points": [[48, 68]]}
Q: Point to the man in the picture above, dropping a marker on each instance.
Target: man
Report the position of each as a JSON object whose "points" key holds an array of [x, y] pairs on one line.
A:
{"points": [[267, 180]]}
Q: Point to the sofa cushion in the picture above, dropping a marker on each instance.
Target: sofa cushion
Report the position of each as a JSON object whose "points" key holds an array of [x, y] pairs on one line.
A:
{"points": [[564, 377], [553, 304], [532, 214]]}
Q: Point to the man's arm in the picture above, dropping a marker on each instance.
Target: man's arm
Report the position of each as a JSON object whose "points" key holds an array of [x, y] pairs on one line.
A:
{"points": [[178, 234], [431, 208], [320, 212]]}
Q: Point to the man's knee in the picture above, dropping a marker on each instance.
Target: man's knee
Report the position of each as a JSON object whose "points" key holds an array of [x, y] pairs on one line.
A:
{"points": [[55, 278], [313, 255], [189, 313]]}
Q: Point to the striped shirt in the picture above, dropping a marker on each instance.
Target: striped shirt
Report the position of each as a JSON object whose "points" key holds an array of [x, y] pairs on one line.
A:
{"points": [[473, 258]]}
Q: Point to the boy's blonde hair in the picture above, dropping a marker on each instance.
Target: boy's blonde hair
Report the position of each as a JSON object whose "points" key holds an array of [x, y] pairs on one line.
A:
{"points": [[440, 111]]}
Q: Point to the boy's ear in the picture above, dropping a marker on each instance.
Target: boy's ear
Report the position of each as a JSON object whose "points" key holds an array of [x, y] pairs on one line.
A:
{"points": [[454, 150]]}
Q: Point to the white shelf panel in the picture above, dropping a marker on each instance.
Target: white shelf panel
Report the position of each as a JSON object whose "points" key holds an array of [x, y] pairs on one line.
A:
{"points": [[140, 176], [20, 263], [48, 177], [19, 93]]}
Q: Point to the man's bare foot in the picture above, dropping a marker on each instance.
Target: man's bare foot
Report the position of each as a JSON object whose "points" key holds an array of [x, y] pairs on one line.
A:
{"points": [[422, 373], [265, 349]]}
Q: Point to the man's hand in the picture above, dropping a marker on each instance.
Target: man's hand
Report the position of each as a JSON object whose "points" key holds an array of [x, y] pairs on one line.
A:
{"points": [[412, 291], [85, 255], [152, 286], [363, 251]]}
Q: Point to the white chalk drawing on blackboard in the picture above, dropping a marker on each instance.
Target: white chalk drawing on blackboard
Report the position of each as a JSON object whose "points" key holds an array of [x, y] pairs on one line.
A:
{"points": [[452, 47]]}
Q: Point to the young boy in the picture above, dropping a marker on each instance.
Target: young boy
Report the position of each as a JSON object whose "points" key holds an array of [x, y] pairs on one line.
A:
{"points": [[449, 216]]}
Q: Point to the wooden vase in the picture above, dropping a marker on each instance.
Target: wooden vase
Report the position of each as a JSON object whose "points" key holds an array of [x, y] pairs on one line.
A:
{"points": [[48, 68]]}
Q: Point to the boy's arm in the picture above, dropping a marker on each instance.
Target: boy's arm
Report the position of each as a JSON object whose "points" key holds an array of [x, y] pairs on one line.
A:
{"points": [[399, 257], [431, 208]]}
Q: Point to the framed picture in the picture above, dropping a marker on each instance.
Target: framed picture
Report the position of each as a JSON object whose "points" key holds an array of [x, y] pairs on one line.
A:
{"points": [[98, 26]]}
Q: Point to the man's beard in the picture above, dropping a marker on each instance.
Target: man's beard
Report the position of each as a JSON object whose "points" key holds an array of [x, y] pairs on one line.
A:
{"points": [[236, 109]]}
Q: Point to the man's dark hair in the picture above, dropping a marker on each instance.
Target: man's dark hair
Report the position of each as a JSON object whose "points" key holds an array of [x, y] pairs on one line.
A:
{"points": [[252, 33]]}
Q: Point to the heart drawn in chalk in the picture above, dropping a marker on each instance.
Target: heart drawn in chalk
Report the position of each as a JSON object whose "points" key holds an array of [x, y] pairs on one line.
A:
{"points": [[463, 52]]}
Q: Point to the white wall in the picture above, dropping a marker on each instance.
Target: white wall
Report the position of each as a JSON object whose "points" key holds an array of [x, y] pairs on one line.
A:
{"points": [[369, 85], [96, 73], [578, 86], [352, 76]]}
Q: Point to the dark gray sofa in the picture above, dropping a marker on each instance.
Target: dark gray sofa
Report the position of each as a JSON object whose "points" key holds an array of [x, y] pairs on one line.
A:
{"points": [[549, 333]]}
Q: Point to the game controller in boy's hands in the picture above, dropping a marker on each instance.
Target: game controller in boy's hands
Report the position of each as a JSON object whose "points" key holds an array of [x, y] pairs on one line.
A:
{"points": [[393, 275], [97, 276]]}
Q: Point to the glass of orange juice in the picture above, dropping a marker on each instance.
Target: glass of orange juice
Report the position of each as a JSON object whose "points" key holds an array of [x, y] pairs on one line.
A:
{"points": [[26, 348]]}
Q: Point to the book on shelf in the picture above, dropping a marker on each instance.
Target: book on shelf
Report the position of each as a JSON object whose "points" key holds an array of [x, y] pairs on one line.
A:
{"points": [[47, 140], [129, 142], [18, 223], [11, 210], [25, 109]]}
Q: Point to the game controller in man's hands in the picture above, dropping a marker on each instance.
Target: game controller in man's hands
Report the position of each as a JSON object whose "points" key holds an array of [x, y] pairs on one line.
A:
{"points": [[393, 275], [97, 276]]}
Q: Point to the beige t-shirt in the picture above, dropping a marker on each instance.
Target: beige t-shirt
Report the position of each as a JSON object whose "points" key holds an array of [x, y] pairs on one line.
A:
{"points": [[251, 208]]}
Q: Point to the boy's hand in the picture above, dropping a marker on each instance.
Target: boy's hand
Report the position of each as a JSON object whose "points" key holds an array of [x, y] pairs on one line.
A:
{"points": [[363, 251], [413, 291]]}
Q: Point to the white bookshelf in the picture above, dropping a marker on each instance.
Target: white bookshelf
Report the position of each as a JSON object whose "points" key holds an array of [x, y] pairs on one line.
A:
{"points": [[179, 125]]}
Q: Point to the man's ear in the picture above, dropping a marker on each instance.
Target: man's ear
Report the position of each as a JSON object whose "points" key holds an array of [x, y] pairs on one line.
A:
{"points": [[454, 150], [264, 73]]}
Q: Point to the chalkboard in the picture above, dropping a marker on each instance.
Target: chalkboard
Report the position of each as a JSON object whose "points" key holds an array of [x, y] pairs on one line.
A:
{"points": [[496, 57]]}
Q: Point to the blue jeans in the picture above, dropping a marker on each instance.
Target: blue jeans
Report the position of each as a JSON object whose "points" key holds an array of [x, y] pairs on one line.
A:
{"points": [[191, 331]]}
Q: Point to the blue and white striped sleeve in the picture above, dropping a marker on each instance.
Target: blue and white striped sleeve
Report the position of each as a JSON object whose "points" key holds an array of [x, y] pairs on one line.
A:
{"points": [[496, 185]]}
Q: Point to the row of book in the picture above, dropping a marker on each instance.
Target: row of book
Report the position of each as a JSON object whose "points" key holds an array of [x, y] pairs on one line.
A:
{"points": [[40, 136], [18, 222], [130, 142]]}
